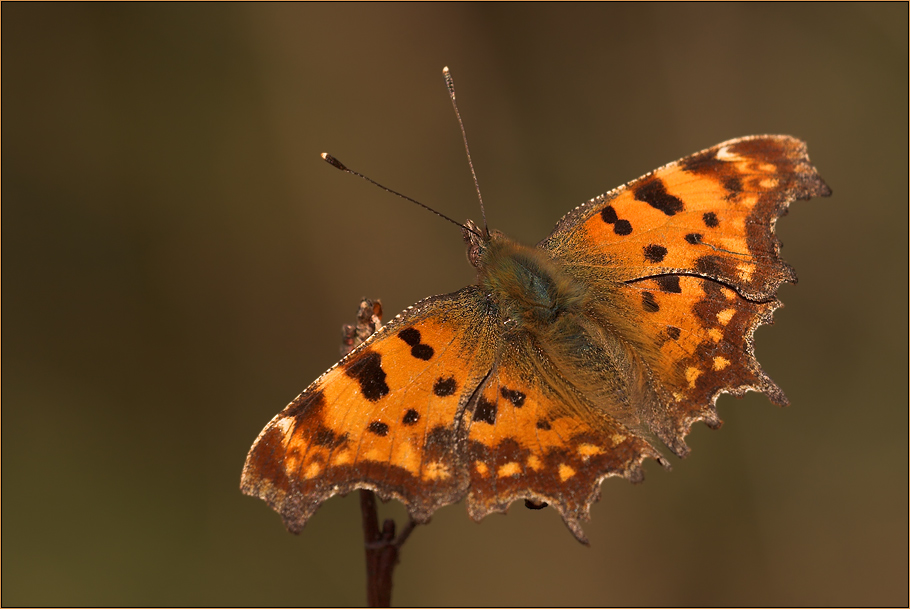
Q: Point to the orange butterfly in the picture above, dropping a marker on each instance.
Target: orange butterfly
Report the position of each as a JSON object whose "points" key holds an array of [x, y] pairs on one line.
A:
{"points": [[566, 361]]}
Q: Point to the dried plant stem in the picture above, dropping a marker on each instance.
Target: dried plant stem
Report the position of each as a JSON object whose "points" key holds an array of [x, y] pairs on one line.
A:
{"points": [[382, 548]]}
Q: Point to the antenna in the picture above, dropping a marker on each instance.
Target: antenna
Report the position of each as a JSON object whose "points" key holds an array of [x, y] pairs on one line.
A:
{"points": [[450, 85], [328, 158]]}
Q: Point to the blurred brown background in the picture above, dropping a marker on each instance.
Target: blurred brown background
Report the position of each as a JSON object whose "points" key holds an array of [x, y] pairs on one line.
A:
{"points": [[178, 261]]}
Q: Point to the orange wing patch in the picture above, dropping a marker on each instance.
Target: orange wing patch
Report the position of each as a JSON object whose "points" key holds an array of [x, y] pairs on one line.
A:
{"points": [[383, 418], [711, 214]]}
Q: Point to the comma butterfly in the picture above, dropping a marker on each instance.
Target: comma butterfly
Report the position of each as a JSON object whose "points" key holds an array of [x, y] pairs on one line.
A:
{"points": [[566, 362]]}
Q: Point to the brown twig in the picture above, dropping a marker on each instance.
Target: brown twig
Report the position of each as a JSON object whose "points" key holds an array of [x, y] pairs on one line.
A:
{"points": [[382, 548]]}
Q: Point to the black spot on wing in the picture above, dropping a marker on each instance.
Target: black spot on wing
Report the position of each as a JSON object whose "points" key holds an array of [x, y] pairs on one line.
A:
{"points": [[516, 397], [422, 351], [367, 370], [485, 411], [443, 387], [418, 349], [673, 332], [620, 227], [669, 283], [410, 417], [543, 424], [379, 428], [654, 193], [649, 303], [710, 219], [411, 336], [694, 238], [655, 253]]}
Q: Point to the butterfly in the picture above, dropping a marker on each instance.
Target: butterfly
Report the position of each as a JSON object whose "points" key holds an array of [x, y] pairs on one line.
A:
{"points": [[566, 362]]}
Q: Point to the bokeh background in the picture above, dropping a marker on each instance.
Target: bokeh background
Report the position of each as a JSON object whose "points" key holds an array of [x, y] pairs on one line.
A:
{"points": [[178, 262]]}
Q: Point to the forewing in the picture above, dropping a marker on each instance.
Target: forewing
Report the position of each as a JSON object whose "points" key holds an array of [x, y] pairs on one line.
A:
{"points": [[711, 214], [383, 418]]}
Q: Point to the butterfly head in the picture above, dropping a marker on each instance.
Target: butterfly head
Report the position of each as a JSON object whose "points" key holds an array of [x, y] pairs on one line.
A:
{"points": [[477, 240]]}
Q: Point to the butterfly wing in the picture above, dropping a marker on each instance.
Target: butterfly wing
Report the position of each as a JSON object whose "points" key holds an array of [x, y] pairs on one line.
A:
{"points": [[711, 214], [693, 245], [531, 434], [383, 418]]}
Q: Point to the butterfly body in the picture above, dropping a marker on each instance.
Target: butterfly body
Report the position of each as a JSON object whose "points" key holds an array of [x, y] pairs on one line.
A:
{"points": [[567, 362], [530, 288], [573, 321]]}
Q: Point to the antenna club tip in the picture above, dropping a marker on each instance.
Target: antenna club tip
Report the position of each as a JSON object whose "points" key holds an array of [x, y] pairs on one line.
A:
{"points": [[450, 83], [328, 158]]}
